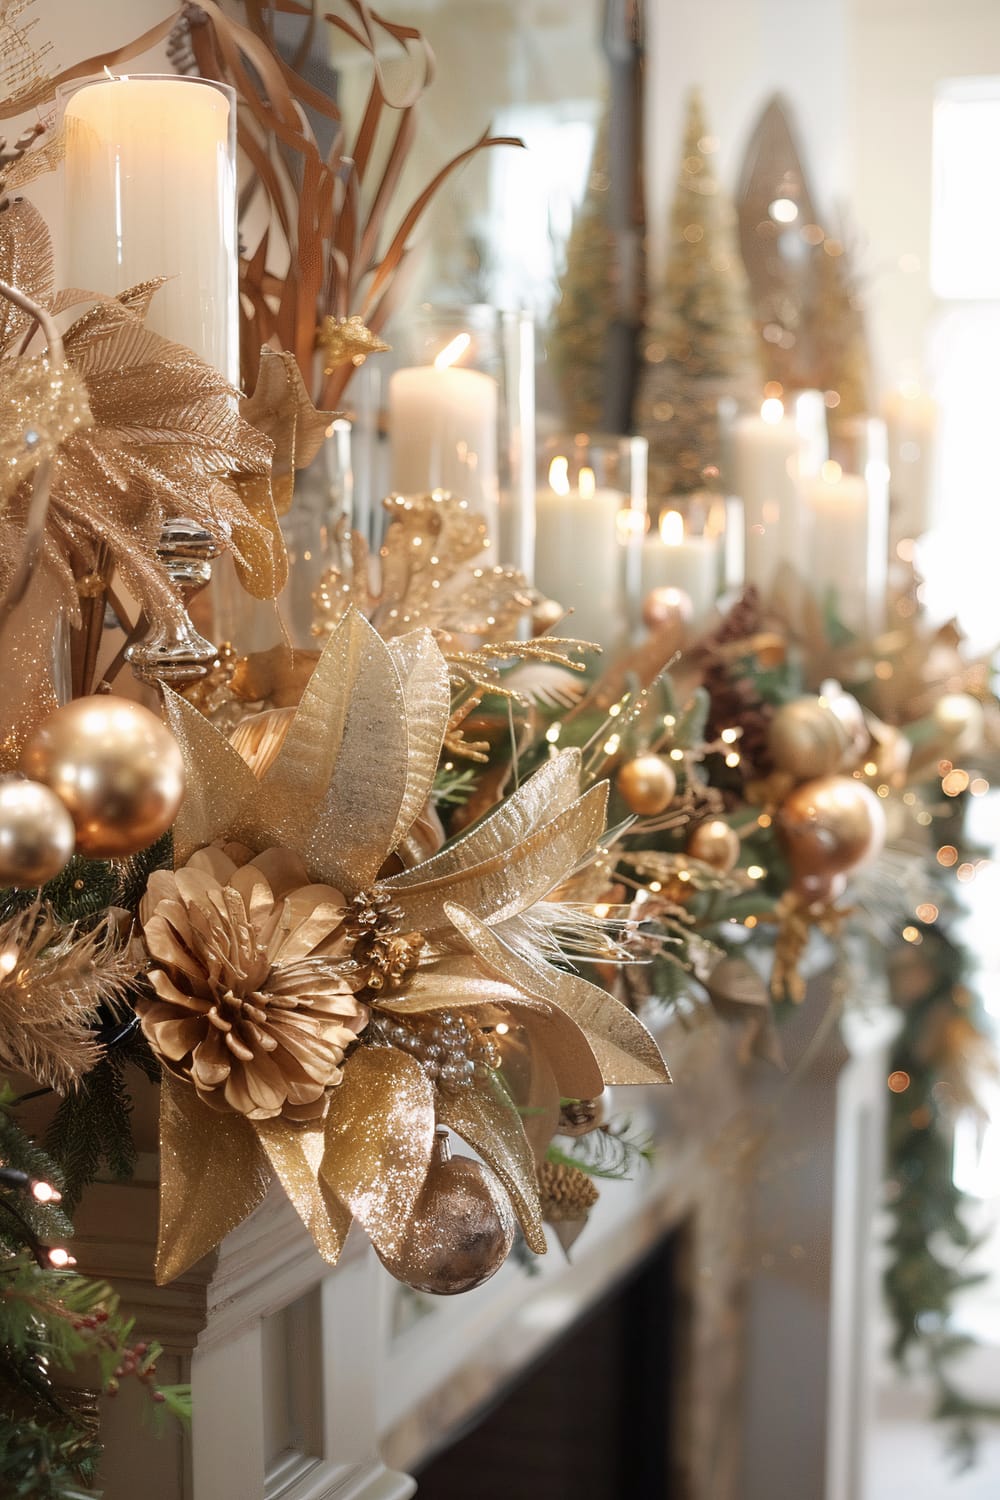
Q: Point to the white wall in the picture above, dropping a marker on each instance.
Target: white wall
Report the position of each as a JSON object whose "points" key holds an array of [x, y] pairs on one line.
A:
{"points": [[898, 51], [739, 53]]}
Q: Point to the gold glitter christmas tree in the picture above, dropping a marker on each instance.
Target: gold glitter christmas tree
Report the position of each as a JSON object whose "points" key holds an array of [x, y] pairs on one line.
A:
{"points": [[579, 336], [699, 345], [840, 362]]}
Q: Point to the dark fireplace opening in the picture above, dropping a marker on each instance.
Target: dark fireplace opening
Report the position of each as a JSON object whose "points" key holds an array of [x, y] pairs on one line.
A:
{"points": [[592, 1419]]}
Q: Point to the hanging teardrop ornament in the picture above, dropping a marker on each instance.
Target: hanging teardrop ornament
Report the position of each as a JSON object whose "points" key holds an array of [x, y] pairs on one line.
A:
{"points": [[462, 1227]]}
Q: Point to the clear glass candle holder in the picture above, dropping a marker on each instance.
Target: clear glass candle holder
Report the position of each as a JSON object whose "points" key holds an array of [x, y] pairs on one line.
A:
{"points": [[461, 417], [590, 516]]}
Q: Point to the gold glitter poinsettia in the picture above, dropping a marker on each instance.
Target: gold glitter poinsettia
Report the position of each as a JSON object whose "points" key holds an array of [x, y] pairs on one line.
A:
{"points": [[439, 952]]}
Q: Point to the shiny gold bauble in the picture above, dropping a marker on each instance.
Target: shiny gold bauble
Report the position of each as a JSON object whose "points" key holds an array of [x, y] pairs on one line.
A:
{"points": [[807, 739], [715, 843], [666, 606], [461, 1230], [647, 785], [36, 833], [830, 826], [959, 718], [546, 615], [115, 767]]}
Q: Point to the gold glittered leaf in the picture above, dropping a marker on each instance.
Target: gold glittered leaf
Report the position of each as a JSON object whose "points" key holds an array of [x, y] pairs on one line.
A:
{"points": [[213, 1174], [295, 1153], [487, 1120], [379, 1134], [423, 675], [41, 402], [25, 262], [281, 409]]}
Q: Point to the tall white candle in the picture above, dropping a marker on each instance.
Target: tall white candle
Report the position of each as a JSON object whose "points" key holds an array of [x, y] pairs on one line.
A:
{"points": [[443, 432], [150, 190], [766, 473], [837, 545], [911, 417], [578, 555], [670, 559]]}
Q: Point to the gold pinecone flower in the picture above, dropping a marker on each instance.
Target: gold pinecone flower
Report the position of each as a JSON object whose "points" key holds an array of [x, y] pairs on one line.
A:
{"points": [[254, 984]]}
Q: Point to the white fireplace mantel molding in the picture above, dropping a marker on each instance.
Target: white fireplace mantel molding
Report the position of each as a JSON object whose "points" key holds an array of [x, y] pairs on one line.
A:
{"points": [[312, 1383]]}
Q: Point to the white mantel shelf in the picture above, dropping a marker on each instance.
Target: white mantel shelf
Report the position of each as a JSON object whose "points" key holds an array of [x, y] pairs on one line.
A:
{"points": [[312, 1383]]}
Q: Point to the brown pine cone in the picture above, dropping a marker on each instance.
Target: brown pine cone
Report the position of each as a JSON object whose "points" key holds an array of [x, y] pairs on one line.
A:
{"points": [[733, 699], [566, 1193]]}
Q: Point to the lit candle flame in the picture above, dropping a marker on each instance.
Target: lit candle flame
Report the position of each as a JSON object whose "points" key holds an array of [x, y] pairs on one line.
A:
{"points": [[831, 471], [588, 484], [559, 475], [452, 353], [672, 528], [772, 410]]}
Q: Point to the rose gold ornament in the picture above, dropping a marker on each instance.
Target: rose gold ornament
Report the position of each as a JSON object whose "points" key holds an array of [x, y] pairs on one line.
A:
{"points": [[462, 1227], [647, 784], [807, 739], [666, 606], [36, 833], [829, 826], [715, 844], [116, 768]]}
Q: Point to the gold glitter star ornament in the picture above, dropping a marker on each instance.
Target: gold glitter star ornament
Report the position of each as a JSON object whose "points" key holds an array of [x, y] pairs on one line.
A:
{"points": [[317, 1017]]}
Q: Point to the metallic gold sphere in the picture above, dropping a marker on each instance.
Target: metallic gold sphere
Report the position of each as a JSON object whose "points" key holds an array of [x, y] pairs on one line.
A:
{"points": [[647, 785], [715, 844], [546, 614], [830, 826], [36, 833], [461, 1231], [666, 606], [115, 767], [807, 739], [959, 717]]}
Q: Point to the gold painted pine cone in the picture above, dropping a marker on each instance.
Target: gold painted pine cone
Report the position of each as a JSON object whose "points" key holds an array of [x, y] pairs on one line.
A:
{"points": [[254, 1001], [566, 1192]]}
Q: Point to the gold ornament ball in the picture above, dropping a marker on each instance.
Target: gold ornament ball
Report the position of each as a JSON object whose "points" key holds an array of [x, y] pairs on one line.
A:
{"points": [[715, 844], [461, 1230], [807, 739], [647, 785], [960, 718], [115, 767], [546, 615], [666, 606], [36, 833], [831, 825]]}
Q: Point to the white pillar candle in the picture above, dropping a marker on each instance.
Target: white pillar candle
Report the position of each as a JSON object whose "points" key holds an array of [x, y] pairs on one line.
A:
{"points": [[578, 555], [691, 563], [766, 472], [837, 545], [911, 417], [443, 432], [150, 190]]}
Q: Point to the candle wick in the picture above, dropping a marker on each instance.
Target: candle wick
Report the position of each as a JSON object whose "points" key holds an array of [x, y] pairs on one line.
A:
{"points": [[113, 77]]}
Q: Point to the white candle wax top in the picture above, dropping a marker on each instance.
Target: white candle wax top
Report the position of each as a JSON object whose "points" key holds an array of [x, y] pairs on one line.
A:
{"points": [[150, 191]]}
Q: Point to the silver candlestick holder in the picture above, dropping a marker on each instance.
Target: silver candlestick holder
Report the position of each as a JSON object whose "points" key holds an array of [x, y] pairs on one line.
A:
{"points": [[174, 652]]}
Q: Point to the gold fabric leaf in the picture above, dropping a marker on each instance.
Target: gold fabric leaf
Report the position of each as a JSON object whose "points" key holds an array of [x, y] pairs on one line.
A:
{"points": [[423, 674], [219, 783], [485, 1117], [513, 879], [739, 993], [625, 1051], [213, 1174], [295, 1156], [379, 1134], [281, 409]]}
